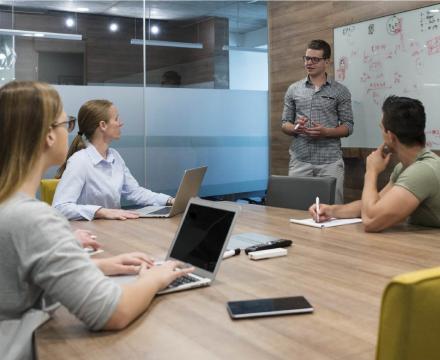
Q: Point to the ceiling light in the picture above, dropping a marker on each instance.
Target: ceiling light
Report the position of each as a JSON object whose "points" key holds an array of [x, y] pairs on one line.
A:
{"points": [[113, 27], [70, 22], [82, 9], [48, 35], [434, 10], [154, 29], [166, 43]]}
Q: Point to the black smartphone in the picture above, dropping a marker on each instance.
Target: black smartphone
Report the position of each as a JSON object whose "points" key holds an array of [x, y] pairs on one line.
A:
{"points": [[269, 307]]}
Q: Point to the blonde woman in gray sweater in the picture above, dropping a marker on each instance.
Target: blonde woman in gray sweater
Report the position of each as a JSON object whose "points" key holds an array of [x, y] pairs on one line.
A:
{"points": [[40, 257]]}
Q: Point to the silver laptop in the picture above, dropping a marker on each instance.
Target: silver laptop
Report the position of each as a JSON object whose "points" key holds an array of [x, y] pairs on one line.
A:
{"points": [[200, 241], [188, 188]]}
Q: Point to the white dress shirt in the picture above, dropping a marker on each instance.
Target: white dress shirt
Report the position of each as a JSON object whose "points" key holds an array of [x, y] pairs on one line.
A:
{"points": [[91, 182]]}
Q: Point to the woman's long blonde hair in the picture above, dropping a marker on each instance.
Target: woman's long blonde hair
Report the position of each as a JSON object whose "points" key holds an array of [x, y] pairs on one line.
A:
{"points": [[89, 117], [27, 110]]}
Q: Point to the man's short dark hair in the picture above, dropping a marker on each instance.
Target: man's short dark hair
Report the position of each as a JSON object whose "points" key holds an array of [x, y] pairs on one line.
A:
{"points": [[405, 117], [321, 45]]}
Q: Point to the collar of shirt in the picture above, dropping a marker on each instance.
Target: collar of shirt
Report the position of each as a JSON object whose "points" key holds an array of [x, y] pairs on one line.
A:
{"points": [[96, 157], [422, 153], [328, 81]]}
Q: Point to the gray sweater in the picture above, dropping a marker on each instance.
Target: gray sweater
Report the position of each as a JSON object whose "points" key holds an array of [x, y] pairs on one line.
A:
{"points": [[40, 257]]}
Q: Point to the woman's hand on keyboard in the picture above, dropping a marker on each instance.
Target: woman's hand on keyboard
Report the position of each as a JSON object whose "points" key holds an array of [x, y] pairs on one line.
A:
{"points": [[124, 264], [166, 273]]}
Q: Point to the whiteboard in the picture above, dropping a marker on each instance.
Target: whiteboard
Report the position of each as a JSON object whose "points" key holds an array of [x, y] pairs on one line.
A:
{"points": [[392, 55]]}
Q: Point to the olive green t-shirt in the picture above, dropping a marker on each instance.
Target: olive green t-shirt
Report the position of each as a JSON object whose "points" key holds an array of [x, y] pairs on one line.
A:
{"points": [[422, 179]]}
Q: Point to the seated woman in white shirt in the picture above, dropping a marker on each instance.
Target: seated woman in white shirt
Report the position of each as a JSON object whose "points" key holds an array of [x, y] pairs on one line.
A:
{"points": [[41, 260], [94, 176]]}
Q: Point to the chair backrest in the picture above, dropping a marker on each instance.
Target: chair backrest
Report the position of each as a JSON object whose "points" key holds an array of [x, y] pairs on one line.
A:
{"points": [[17, 335], [47, 189], [299, 192], [409, 326]]}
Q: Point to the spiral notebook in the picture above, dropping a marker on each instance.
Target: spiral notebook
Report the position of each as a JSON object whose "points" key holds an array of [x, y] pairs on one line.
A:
{"points": [[325, 224]]}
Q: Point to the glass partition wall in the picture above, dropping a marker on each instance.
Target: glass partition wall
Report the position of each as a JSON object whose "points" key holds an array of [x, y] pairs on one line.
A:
{"points": [[189, 79]]}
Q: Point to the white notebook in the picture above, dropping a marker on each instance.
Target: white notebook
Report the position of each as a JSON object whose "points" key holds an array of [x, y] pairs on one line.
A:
{"points": [[325, 224]]}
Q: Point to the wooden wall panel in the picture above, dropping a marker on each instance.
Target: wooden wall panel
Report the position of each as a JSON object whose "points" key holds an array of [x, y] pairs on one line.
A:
{"points": [[292, 24]]}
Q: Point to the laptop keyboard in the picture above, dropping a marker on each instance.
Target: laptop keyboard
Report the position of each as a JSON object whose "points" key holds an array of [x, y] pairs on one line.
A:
{"points": [[182, 280], [163, 211]]}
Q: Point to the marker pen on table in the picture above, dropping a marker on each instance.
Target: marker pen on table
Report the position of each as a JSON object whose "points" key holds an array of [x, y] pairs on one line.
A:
{"points": [[230, 253], [317, 209]]}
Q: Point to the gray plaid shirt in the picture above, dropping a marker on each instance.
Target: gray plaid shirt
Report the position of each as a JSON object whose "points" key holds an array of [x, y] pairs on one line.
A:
{"points": [[330, 106]]}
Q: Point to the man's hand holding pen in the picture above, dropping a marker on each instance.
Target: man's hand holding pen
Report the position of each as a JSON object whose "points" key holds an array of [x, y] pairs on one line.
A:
{"points": [[317, 131], [300, 124], [314, 131]]}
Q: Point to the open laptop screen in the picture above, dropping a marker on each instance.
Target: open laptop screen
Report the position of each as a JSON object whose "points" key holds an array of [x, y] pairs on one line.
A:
{"points": [[202, 236]]}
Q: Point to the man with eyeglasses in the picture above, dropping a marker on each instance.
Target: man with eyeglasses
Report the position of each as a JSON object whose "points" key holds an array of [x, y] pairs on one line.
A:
{"points": [[317, 113]]}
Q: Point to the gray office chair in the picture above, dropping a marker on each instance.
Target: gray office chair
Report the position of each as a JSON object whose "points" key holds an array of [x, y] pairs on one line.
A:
{"points": [[299, 192]]}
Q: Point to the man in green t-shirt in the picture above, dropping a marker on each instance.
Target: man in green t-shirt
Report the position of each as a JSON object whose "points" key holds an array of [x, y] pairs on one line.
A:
{"points": [[413, 191]]}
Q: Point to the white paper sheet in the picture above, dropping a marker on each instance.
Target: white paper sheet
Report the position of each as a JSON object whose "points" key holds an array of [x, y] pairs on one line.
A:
{"points": [[325, 224]]}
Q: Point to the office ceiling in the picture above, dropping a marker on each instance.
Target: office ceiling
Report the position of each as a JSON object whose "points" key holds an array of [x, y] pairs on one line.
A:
{"points": [[244, 16]]}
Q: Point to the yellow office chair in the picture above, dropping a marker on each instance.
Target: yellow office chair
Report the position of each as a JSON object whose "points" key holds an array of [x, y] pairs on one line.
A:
{"points": [[409, 326], [47, 189]]}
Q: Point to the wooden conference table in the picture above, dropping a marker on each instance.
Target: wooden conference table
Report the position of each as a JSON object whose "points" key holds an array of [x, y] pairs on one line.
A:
{"points": [[342, 271]]}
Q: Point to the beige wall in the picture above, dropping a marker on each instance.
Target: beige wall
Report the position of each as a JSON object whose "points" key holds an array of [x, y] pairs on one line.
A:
{"points": [[291, 25]]}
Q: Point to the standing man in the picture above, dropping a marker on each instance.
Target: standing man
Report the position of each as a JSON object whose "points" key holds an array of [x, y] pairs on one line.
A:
{"points": [[317, 113]]}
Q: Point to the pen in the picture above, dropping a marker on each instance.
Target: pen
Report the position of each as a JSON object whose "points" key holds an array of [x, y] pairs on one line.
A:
{"points": [[317, 209], [230, 253], [298, 124]]}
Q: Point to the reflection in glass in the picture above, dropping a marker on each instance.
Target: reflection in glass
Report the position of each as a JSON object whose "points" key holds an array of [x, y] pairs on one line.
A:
{"points": [[7, 59], [188, 122]]}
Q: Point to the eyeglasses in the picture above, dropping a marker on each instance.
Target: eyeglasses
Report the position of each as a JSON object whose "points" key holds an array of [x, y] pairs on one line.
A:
{"points": [[70, 123], [313, 59]]}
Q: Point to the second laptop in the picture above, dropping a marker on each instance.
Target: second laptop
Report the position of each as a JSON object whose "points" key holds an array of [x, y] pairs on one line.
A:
{"points": [[188, 188]]}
